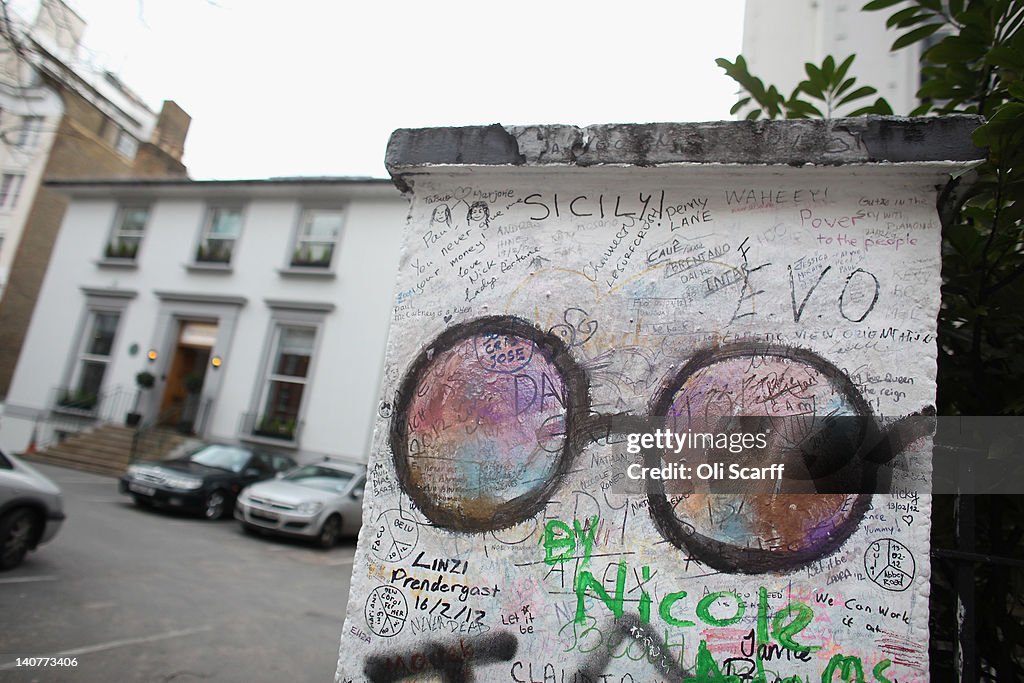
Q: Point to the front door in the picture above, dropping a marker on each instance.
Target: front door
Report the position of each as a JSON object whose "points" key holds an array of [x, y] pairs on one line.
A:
{"points": [[180, 404]]}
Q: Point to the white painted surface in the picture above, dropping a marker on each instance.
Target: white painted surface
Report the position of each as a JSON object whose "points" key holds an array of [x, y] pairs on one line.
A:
{"points": [[640, 272]]}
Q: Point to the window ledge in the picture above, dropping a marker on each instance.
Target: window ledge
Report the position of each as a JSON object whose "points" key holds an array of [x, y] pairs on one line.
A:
{"points": [[200, 267], [122, 263], [289, 444], [87, 413], [305, 271]]}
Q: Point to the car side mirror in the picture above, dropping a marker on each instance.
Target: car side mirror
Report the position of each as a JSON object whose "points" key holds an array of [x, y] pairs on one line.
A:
{"points": [[357, 494]]}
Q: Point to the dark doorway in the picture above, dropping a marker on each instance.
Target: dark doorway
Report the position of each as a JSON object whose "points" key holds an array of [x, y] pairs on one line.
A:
{"points": [[180, 404]]}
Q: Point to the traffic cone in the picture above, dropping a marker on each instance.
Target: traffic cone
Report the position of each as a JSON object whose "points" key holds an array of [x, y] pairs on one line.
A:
{"points": [[32, 441]]}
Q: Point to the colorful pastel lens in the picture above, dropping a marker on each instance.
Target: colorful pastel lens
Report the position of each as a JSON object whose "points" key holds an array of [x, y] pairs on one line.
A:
{"points": [[484, 431], [783, 394]]}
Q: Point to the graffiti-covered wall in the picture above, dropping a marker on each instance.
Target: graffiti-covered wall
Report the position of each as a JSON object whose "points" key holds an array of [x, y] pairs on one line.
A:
{"points": [[573, 338]]}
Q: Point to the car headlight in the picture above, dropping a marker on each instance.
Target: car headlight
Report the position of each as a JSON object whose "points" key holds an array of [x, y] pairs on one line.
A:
{"points": [[186, 483], [309, 509], [133, 471]]}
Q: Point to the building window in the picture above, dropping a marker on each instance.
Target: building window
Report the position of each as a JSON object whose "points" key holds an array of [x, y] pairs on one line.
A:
{"points": [[126, 144], [285, 383], [316, 237], [220, 233], [28, 135], [10, 189], [129, 228], [83, 393]]}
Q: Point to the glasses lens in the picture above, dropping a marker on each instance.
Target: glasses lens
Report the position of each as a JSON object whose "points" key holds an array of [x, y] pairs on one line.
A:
{"points": [[481, 438], [754, 408]]}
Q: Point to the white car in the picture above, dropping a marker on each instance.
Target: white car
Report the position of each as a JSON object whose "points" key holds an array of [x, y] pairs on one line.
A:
{"points": [[31, 510], [320, 501]]}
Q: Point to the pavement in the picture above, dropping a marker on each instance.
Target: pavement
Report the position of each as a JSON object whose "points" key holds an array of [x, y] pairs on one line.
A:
{"points": [[151, 596]]}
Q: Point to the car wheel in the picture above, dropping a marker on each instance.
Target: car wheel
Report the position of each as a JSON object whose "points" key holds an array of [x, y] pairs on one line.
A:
{"points": [[330, 532], [17, 530], [216, 505]]}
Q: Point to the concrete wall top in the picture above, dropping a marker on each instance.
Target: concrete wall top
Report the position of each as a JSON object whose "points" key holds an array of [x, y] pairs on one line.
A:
{"points": [[861, 140]]}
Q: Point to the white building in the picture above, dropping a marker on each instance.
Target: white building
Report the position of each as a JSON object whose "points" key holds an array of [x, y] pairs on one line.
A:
{"points": [[261, 308], [780, 36]]}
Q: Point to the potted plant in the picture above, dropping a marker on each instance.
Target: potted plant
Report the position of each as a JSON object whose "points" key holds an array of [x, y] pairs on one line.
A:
{"points": [[144, 380], [276, 428], [77, 400]]}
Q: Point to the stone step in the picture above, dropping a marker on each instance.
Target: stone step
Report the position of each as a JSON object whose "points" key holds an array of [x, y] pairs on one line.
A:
{"points": [[103, 467], [107, 449]]}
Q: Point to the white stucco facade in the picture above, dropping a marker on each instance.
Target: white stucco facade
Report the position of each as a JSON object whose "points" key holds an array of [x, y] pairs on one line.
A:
{"points": [[250, 310]]}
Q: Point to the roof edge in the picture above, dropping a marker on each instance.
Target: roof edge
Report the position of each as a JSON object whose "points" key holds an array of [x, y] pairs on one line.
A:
{"points": [[795, 142]]}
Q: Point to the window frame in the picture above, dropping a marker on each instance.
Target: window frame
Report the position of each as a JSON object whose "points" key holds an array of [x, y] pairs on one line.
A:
{"points": [[30, 131], [283, 317], [294, 261], [72, 392], [118, 235], [125, 144], [9, 199], [271, 377], [205, 235]]}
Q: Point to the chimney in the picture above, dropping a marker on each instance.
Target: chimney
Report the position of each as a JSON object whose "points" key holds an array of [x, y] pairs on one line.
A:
{"points": [[171, 129]]}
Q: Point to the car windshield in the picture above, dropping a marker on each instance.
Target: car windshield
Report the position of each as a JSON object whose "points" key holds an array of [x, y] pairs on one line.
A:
{"points": [[318, 477], [230, 458]]}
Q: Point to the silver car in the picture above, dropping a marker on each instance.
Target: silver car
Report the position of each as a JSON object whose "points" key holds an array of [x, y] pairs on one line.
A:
{"points": [[31, 510], [320, 501]]}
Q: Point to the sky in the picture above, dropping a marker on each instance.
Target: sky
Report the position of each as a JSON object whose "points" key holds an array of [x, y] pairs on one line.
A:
{"points": [[303, 87]]}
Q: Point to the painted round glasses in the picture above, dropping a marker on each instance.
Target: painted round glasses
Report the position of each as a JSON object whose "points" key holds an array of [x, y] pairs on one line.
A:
{"points": [[493, 413]]}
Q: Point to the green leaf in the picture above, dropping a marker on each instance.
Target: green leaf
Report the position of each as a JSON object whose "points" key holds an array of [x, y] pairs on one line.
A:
{"points": [[1006, 57], [814, 75], [802, 109], [914, 36], [845, 86], [879, 4], [863, 91], [880, 107], [811, 89], [953, 49], [739, 105], [828, 68], [843, 68], [904, 15]]}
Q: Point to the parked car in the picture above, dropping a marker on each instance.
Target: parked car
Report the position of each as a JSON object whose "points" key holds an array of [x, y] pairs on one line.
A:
{"points": [[320, 501], [207, 481], [31, 510]]}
